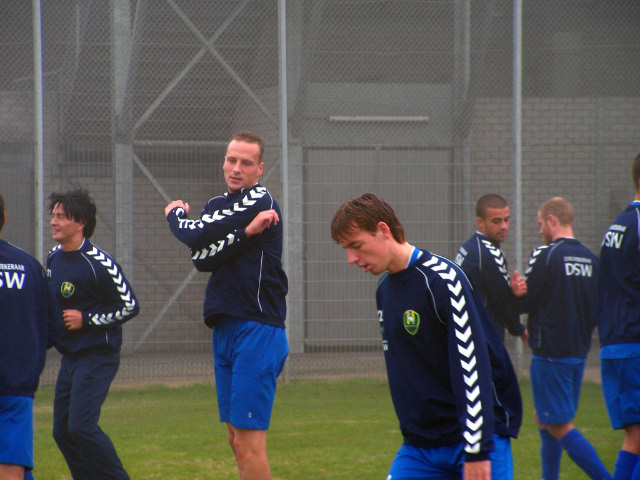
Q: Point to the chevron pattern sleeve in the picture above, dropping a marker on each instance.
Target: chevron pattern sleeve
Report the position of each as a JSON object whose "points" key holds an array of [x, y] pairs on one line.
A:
{"points": [[208, 258], [534, 275], [450, 378], [485, 265], [222, 220], [119, 302], [469, 365]]}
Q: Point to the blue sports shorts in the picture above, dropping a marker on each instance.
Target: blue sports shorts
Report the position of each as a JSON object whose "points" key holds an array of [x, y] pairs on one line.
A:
{"points": [[16, 425], [621, 388], [446, 463], [556, 383], [248, 357]]}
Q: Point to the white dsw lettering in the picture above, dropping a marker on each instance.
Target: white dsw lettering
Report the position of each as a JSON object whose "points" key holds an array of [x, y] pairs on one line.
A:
{"points": [[12, 280], [612, 239], [578, 269]]}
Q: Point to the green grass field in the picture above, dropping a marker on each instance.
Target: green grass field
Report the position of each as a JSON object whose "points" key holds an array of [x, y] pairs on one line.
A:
{"points": [[320, 430]]}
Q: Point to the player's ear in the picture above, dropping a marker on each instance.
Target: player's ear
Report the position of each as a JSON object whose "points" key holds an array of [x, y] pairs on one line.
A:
{"points": [[384, 229]]}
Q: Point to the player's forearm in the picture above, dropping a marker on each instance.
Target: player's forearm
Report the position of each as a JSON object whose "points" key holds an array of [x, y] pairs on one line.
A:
{"points": [[210, 257], [113, 316]]}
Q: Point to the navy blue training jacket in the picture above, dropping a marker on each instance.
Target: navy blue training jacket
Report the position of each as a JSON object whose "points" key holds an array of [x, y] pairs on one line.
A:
{"points": [[450, 377], [619, 280], [30, 322], [561, 299], [90, 280], [486, 267], [247, 280]]}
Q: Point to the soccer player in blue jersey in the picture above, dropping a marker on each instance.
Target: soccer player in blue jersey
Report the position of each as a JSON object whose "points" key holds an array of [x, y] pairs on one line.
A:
{"points": [[561, 301], [452, 384], [238, 238], [481, 258], [95, 299], [29, 324], [619, 329]]}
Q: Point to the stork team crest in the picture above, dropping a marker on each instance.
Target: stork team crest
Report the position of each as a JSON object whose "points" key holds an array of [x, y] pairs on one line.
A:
{"points": [[411, 321], [67, 289]]}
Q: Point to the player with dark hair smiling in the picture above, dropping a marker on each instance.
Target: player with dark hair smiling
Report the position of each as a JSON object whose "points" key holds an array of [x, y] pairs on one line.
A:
{"points": [[95, 299]]}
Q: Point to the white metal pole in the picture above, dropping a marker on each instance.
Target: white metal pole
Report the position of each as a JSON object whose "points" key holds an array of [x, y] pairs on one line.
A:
{"points": [[38, 133], [284, 136], [284, 126], [517, 143]]}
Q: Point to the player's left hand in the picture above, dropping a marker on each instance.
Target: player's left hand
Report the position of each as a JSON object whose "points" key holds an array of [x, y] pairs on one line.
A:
{"points": [[174, 204], [477, 470], [72, 319]]}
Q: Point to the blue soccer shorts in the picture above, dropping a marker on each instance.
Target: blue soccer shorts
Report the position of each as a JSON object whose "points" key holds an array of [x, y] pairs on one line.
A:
{"points": [[248, 357], [446, 463], [16, 425], [621, 388], [556, 383]]}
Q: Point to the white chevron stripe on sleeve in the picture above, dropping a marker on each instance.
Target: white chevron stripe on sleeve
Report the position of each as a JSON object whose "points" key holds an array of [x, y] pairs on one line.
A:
{"points": [[121, 286], [499, 259], [464, 336], [471, 379], [475, 425], [473, 410], [214, 248], [455, 289], [466, 350]]}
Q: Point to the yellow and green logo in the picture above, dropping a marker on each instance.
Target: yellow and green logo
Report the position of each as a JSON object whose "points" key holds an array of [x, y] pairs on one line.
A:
{"points": [[411, 321], [67, 289]]}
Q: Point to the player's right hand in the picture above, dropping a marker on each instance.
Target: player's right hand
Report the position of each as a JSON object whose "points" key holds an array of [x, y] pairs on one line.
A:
{"points": [[477, 470], [261, 222], [518, 285]]}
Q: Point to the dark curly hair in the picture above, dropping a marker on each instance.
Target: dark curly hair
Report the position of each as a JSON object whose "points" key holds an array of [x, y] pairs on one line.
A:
{"points": [[77, 205]]}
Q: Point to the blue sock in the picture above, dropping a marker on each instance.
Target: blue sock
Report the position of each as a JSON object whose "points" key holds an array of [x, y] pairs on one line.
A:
{"points": [[585, 456], [550, 453], [28, 475], [625, 464]]}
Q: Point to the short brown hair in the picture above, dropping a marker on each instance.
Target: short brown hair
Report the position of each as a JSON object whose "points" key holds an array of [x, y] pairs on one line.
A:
{"points": [[635, 171], [559, 208], [249, 137], [490, 200], [1, 212], [365, 212]]}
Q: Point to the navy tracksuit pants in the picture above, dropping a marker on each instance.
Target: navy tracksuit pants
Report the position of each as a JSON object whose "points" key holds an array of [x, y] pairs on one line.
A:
{"points": [[81, 389]]}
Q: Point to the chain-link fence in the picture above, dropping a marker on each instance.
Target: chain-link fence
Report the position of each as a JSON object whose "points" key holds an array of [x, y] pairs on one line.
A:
{"points": [[410, 99]]}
